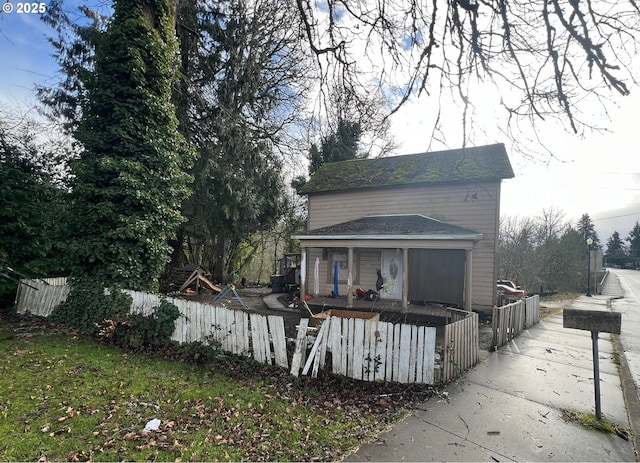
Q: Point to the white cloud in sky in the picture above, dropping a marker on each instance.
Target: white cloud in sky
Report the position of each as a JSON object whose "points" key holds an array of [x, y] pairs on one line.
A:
{"points": [[597, 173]]}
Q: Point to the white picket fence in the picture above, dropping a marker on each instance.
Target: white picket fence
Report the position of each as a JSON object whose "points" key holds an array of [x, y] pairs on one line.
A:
{"points": [[357, 348], [234, 331], [368, 350], [40, 297]]}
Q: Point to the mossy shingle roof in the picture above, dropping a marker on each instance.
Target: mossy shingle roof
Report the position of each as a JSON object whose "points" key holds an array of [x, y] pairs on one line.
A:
{"points": [[480, 163]]}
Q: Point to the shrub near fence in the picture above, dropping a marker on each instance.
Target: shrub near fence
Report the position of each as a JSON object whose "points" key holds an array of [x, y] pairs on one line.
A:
{"points": [[510, 320], [360, 349], [233, 331]]}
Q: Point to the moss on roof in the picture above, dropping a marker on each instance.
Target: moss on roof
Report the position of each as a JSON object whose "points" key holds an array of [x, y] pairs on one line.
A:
{"points": [[398, 225], [479, 163]]}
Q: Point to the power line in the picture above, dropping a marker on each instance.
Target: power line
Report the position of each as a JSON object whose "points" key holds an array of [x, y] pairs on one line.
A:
{"points": [[617, 216]]}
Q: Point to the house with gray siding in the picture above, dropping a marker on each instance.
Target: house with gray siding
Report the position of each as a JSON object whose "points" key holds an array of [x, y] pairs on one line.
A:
{"points": [[427, 223]]}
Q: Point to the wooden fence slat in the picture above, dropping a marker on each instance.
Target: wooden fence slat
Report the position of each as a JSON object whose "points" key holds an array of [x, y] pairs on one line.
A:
{"points": [[344, 346], [276, 328], [244, 324], [322, 358], [381, 351], [429, 359], [301, 347], [405, 353], [199, 323], [322, 349], [233, 332], [314, 348], [368, 360], [335, 344], [217, 330], [419, 377], [243, 339], [208, 325], [373, 348], [258, 337], [396, 353], [228, 330], [390, 360], [233, 335], [358, 348], [413, 370], [349, 349]]}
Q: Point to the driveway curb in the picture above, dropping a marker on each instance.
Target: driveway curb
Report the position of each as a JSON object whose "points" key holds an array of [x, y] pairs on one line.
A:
{"points": [[629, 392]]}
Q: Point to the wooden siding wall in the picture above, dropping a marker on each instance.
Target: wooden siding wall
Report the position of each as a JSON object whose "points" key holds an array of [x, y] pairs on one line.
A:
{"points": [[472, 206]]}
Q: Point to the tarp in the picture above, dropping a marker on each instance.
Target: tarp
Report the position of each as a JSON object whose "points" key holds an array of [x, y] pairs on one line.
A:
{"points": [[335, 280]]}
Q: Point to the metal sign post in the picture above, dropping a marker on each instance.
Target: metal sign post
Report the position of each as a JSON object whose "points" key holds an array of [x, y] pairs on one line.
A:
{"points": [[594, 321]]}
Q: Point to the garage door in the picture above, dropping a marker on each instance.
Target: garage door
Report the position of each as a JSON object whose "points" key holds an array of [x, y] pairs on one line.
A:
{"points": [[437, 275]]}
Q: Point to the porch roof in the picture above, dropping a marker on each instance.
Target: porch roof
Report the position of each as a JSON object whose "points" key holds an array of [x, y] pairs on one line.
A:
{"points": [[392, 227]]}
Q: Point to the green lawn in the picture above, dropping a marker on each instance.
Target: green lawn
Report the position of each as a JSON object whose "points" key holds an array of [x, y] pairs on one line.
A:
{"points": [[64, 397]]}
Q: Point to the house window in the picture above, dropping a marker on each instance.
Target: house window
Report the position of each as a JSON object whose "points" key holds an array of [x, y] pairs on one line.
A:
{"points": [[341, 258]]}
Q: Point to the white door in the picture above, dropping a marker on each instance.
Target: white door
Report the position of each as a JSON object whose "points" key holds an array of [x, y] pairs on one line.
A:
{"points": [[392, 271]]}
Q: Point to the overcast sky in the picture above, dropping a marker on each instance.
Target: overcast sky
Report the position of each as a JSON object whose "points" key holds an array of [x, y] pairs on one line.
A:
{"points": [[598, 174]]}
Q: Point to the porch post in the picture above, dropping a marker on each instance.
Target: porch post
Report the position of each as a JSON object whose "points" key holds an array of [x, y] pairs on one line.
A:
{"points": [[467, 279], [405, 279], [303, 272], [350, 279]]}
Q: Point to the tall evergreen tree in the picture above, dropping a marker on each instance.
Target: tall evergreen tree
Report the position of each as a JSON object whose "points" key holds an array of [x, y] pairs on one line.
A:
{"points": [[241, 79], [31, 204], [634, 241], [616, 252], [615, 245], [586, 228], [245, 67], [342, 145], [129, 180]]}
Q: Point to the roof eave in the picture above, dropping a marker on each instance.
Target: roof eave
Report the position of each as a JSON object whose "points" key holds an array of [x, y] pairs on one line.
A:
{"points": [[443, 237], [305, 191]]}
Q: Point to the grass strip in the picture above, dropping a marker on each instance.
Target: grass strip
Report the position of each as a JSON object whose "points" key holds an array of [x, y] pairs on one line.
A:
{"points": [[69, 398]]}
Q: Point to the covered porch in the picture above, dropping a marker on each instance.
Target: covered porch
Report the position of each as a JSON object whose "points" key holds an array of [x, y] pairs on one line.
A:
{"points": [[404, 258]]}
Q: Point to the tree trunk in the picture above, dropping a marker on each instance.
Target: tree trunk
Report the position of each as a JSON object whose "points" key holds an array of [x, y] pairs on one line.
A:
{"points": [[178, 256]]}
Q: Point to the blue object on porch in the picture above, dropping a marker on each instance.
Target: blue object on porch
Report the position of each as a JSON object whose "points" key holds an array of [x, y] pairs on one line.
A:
{"points": [[335, 280]]}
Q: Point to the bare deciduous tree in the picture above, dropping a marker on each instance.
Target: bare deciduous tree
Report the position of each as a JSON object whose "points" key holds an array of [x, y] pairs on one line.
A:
{"points": [[546, 57], [542, 253]]}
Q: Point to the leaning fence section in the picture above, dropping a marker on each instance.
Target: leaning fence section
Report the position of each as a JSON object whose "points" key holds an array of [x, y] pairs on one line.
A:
{"points": [[40, 297], [461, 345], [367, 350], [234, 331], [510, 320]]}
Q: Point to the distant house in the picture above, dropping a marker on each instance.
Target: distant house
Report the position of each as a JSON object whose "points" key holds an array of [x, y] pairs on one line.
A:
{"points": [[428, 222]]}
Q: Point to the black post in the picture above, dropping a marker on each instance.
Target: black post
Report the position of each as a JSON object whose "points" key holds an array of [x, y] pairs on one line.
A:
{"points": [[588, 271], [596, 373]]}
